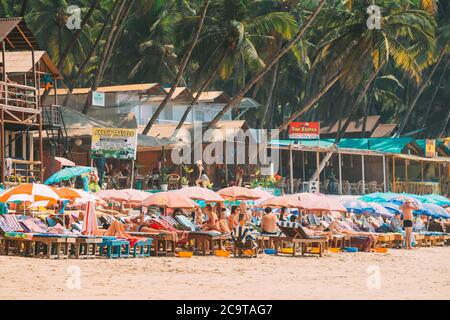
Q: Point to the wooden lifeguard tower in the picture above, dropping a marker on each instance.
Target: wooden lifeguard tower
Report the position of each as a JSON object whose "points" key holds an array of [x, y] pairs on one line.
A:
{"points": [[22, 68]]}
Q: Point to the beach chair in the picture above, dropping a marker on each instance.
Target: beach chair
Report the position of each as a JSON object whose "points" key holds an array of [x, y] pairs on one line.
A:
{"points": [[244, 241], [206, 242], [186, 223], [52, 246], [142, 248], [85, 247], [113, 248], [297, 234]]}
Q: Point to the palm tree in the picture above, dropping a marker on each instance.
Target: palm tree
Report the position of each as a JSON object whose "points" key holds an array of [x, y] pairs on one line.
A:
{"points": [[280, 54], [181, 70]]}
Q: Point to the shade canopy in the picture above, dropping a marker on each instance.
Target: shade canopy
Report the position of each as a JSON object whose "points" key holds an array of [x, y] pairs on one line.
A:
{"points": [[278, 202], [358, 206], [112, 194], [380, 210]]}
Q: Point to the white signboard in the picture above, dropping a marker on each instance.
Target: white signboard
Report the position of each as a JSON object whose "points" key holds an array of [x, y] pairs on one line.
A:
{"points": [[98, 99]]}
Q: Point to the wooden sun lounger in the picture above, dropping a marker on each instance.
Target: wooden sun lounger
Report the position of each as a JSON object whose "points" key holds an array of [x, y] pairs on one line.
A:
{"points": [[53, 247], [18, 247], [205, 243], [163, 244], [86, 247], [297, 235]]}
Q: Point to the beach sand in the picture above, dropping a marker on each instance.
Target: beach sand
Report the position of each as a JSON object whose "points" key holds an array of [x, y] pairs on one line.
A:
{"points": [[423, 273]]}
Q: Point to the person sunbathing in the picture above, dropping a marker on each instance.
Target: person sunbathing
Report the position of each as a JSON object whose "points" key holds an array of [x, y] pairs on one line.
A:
{"points": [[341, 228], [233, 218], [223, 222], [212, 223]]}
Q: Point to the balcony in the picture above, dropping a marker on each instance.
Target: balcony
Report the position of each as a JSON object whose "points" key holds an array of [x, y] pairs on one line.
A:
{"points": [[13, 96]]}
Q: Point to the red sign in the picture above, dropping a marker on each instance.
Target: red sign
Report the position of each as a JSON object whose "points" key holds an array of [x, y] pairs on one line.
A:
{"points": [[304, 130]]}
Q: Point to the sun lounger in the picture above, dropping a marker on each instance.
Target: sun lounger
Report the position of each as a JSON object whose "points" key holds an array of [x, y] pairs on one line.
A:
{"points": [[53, 246], [297, 234], [142, 248], [13, 222], [205, 243], [85, 247], [185, 222], [113, 248]]}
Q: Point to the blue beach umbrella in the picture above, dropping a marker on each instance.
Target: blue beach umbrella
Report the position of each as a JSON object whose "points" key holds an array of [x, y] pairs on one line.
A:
{"points": [[436, 199], [380, 210], [67, 174], [378, 197], [391, 207], [357, 206], [435, 211]]}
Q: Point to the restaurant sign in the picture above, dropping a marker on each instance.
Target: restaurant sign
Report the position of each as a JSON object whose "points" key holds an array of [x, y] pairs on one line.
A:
{"points": [[114, 143], [430, 148], [304, 130]]}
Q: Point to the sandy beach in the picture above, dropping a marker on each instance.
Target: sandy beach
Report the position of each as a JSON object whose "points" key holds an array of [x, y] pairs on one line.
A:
{"points": [[335, 276]]}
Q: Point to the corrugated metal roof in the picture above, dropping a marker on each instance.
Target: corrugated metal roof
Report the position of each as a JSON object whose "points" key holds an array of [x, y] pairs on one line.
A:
{"points": [[22, 62], [383, 130], [17, 35], [354, 126]]}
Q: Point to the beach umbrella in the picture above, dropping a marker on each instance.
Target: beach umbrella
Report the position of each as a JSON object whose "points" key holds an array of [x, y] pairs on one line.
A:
{"points": [[67, 193], [380, 210], [290, 201], [391, 207], [169, 200], [318, 202], [112, 194], [90, 226], [238, 193], [38, 204], [21, 198], [378, 197], [436, 199], [67, 174], [262, 193], [358, 206], [332, 203], [39, 191], [435, 211], [136, 196], [199, 193]]}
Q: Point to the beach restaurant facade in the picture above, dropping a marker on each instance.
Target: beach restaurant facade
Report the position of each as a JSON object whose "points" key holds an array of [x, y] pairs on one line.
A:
{"points": [[360, 166]]}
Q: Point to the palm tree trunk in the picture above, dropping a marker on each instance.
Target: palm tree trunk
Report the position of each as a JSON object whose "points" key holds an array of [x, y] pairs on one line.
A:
{"points": [[444, 127], [358, 101], [353, 110], [77, 33], [433, 97], [366, 116], [268, 111], [104, 57], [71, 84], [23, 9], [269, 66], [419, 94], [309, 104], [205, 85], [183, 66]]}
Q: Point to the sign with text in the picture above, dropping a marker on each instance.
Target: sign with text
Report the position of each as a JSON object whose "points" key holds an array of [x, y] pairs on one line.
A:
{"points": [[430, 148], [114, 143], [304, 130], [98, 99]]}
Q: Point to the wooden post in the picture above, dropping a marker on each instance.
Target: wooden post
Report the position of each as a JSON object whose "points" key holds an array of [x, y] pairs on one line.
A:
{"points": [[56, 92], [5, 91], [41, 149], [393, 174], [318, 166], [340, 173], [440, 178], [421, 171], [363, 174], [406, 176], [291, 169], [385, 189], [33, 60], [2, 144]]}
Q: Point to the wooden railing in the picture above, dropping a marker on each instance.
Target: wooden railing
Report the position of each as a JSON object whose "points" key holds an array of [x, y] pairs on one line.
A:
{"points": [[17, 95], [21, 171], [418, 187]]}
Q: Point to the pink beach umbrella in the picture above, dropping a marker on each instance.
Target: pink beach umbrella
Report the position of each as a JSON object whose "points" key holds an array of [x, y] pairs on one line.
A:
{"points": [[199, 193], [289, 201], [262, 193], [90, 226], [112, 194], [333, 203], [169, 200], [136, 195], [319, 202], [238, 193]]}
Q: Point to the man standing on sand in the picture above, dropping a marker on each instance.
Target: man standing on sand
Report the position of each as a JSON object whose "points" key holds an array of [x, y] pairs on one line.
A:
{"points": [[407, 209]]}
